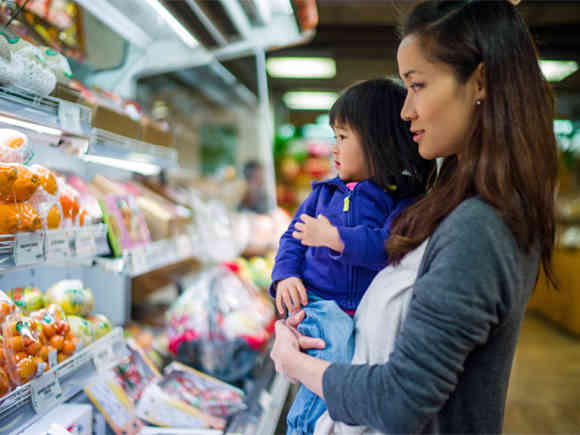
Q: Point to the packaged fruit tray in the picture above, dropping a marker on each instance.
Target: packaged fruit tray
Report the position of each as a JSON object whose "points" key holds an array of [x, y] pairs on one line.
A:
{"points": [[62, 246], [27, 403]]}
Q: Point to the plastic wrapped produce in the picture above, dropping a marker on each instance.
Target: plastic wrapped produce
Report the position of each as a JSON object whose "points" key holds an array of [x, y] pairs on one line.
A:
{"points": [[23, 187], [57, 339], [29, 70], [72, 296], [14, 146], [18, 217], [69, 202], [101, 324], [46, 199], [58, 64], [219, 324], [27, 299], [83, 330], [22, 346]]}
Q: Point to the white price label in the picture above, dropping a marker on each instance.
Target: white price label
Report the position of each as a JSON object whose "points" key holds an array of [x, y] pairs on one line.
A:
{"points": [[69, 116], [85, 243], [57, 246], [29, 248], [46, 392], [104, 357]]}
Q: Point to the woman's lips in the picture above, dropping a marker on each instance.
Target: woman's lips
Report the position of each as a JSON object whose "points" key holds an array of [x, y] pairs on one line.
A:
{"points": [[336, 163], [418, 135]]}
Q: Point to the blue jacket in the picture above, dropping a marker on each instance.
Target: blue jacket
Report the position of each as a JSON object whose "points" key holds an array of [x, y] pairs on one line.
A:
{"points": [[363, 222]]}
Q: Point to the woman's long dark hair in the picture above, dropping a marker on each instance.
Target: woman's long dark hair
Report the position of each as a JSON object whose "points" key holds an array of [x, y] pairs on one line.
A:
{"points": [[372, 109], [510, 157]]}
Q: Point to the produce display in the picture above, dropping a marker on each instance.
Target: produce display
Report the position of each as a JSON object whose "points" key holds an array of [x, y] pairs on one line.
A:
{"points": [[40, 331], [34, 197]]}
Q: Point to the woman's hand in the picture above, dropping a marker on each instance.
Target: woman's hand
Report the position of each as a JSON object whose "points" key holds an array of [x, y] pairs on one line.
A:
{"points": [[288, 343], [317, 232]]}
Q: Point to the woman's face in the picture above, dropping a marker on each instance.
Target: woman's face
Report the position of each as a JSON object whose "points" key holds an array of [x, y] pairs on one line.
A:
{"points": [[440, 109]]}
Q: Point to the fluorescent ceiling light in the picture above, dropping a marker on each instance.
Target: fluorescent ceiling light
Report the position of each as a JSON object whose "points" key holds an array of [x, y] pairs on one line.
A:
{"points": [[140, 167], [30, 126], [314, 100], [302, 67], [557, 70], [174, 23]]}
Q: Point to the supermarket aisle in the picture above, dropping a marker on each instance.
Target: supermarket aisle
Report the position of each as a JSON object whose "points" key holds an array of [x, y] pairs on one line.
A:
{"points": [[545, 384]]}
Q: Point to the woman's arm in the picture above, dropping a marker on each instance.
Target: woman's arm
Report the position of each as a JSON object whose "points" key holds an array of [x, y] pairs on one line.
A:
{"points": [[473, 264]]}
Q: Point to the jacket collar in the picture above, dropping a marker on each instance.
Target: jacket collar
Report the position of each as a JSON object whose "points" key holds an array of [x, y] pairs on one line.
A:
{"points": [[339, 184]]}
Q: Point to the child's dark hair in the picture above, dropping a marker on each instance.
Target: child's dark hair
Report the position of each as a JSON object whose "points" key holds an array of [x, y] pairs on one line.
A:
{"points": [[372, 109]]}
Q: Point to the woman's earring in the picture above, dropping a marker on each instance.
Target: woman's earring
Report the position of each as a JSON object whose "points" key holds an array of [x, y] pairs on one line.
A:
{"points": [[478, 102]]}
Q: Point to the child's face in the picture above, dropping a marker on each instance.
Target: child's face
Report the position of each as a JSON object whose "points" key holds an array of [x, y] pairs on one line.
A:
{"points": [[348, 154]]}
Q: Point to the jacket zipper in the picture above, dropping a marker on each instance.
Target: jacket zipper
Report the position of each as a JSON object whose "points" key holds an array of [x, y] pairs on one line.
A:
{"points": [[349, 270]]}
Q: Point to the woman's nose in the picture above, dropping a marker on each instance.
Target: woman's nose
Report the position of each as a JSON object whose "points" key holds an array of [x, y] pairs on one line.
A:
{"points": [[408, 112]]}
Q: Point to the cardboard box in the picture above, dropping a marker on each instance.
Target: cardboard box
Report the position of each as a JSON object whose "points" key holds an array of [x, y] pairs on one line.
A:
{"points": [[115, 122], [156, 136]]}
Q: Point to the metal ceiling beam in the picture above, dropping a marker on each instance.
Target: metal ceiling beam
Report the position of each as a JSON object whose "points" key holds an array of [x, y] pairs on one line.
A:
{"points": [[206, 21], [238, 17]]}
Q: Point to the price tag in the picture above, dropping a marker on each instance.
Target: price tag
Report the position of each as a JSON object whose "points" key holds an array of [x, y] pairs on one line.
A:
{"points": [[57, 246], [69, 116], [46, 392], [104, 357], [85, 243], [29, 248]]}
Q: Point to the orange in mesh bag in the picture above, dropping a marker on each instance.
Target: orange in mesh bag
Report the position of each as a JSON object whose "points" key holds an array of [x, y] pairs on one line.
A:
{"points": [[8, 175], [57, 340], [18, 217], [46, 198], [23, 187]]}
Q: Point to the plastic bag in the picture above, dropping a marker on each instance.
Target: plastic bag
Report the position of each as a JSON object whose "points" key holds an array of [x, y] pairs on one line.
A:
{"points": [[14, 146], [46, 199], [22, 346], [19, 217], [72, 296], [219, 324], [27, 299], [58, 341], [23, 187], [201, 391]]}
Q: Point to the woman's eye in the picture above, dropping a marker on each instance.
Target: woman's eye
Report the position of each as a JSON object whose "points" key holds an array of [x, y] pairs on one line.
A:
{"points": [[416, 86], [341, 136]]}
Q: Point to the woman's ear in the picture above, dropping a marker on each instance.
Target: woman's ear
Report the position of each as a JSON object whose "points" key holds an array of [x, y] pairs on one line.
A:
{"points": [[478, 78]]}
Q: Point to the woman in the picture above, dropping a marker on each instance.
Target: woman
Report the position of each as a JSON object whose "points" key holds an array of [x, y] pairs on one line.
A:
{"points": [[477, 98]]}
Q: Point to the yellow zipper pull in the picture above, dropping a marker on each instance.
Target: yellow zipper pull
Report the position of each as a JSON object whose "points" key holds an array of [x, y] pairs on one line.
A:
{"points": [[346, 204]]}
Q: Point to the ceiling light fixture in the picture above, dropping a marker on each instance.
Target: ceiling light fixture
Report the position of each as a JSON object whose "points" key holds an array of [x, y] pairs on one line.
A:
{"points": [[309, 100], [301, 67], [143, 168], [558, 70], [174, 23], [30, 126]]}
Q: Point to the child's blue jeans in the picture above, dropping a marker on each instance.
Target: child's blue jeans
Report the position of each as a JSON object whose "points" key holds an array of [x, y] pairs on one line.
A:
{"points": [[324, 319]]}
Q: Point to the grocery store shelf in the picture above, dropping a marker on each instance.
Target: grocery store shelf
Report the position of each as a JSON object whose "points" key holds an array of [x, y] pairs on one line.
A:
{"points": [[43, 114], [151, 257], [53, 247], [273, 402], [130, 153], [27, 403]]}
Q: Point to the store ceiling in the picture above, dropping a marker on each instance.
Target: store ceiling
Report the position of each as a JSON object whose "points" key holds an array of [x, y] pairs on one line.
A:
{"points": [[361, 36]]}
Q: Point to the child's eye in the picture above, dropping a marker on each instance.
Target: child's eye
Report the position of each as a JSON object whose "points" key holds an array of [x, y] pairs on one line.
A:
{"points": [[341, 136]]}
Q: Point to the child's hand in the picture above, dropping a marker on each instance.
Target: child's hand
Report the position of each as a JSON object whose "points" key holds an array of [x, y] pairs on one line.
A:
{"points": [[317, 232], [290, 292]]}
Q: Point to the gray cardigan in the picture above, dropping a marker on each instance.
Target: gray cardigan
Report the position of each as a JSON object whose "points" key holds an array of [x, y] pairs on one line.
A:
{"points": [[450, 367]]}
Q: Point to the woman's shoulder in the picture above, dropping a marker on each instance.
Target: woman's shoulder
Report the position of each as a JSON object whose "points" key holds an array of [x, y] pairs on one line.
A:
{"points": [[474, 213]]}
